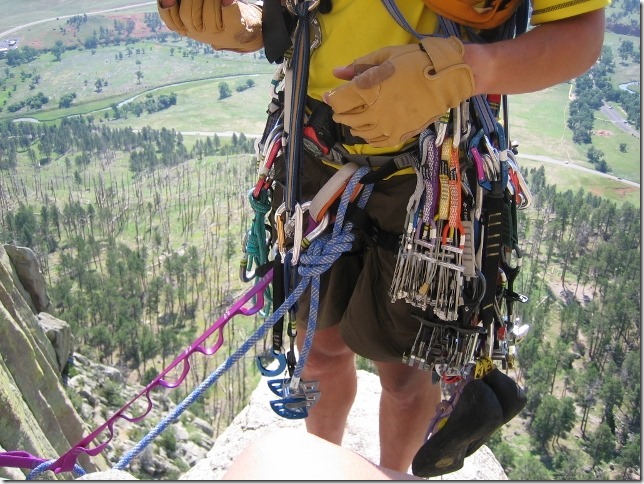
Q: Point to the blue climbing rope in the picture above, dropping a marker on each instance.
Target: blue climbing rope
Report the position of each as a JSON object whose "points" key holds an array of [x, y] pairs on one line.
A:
{"points": [[322, 253], [39, 469]]}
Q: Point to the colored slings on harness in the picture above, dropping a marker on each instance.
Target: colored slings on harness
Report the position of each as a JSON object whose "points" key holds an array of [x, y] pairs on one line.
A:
{"points": [[257, 239], [416, 255], [267, 156], [449, 277], [450, 152]]}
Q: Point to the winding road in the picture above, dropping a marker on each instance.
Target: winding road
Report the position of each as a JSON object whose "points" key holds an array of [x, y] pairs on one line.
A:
{"points": [[613, 116], [95, 12]]}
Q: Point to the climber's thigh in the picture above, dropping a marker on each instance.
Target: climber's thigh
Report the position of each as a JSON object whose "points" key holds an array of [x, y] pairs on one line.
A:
{"points": [[373, 326], [337, 283], [336, 289]]}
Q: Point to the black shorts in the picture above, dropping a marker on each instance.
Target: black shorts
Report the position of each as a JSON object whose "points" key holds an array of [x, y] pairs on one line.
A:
{"points": [[354, 292]]}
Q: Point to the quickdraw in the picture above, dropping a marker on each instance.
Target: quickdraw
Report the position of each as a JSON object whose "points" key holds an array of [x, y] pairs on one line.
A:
{"points": [[461, 285]]}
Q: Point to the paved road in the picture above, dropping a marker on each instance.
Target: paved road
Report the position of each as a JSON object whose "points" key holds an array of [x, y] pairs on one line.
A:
{"points": [[573, 166], [95, 12], [617, 119], [541, 158]]}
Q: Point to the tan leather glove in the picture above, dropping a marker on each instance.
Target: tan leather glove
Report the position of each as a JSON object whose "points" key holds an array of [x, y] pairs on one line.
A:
{"points": [[236, 27], [400, 90]]}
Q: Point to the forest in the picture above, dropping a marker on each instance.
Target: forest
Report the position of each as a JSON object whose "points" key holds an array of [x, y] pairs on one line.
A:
{"points": [[109, 213]]}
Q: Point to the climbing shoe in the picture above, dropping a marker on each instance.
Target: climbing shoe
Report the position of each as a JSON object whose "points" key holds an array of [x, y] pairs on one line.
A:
{"points": [[476, 416], [510, 395]]}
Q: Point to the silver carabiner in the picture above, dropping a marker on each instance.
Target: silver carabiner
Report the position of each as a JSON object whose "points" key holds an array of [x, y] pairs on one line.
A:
{"points": [[290, 5], [298, 230]]}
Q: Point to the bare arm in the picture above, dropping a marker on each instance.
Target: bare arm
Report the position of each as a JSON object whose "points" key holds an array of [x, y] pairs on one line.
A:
{"points": [[544, 56]]}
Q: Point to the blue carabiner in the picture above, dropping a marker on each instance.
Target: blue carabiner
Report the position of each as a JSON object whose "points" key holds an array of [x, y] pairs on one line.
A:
{"points": [[291, 408], [281, 359]]}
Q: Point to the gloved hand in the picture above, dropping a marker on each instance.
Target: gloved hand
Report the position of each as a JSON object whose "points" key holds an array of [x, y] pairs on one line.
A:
{"points": [[236, 27], [400, 90]]}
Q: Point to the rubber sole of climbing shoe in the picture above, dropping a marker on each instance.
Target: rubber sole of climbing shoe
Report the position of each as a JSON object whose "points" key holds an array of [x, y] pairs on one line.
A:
{"points": [[510, 395], [476, 415]]}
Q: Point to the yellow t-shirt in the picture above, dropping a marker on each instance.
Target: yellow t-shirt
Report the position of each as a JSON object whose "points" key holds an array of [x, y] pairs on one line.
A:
{"points": [[344, 39], [355, 28], [548, 10]]}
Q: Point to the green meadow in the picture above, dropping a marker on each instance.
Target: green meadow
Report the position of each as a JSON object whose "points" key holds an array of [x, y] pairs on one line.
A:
{"points": [[186, 68], [23, 12]]}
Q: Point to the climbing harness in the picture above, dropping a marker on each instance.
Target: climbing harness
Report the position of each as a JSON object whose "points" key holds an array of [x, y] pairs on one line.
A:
{"points": [[458, 256]]}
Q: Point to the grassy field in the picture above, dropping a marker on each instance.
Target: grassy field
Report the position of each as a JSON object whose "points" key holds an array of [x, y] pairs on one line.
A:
{"points": [[78, 71], [566, 178], [624, 71], [538, 120], [15, 14], [243, 112]]}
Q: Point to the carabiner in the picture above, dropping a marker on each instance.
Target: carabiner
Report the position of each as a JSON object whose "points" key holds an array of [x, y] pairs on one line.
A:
{"points": [[316, 231], [281, 364], [298, 230], [280, 226]]}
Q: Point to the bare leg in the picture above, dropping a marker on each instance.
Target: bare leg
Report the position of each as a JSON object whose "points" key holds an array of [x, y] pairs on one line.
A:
{"points": [[332, 364], [407, 405]]}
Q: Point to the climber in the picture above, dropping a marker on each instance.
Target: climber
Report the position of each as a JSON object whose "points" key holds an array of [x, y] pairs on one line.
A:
{"points": [[384, 87]]}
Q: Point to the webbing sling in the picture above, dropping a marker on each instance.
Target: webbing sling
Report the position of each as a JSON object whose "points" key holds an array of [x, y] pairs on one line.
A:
{"points": [[299, 67], [493, 204], [279, 296]]}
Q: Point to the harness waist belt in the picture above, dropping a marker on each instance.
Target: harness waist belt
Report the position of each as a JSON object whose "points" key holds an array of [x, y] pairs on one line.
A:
{"points": [[340, 132]]}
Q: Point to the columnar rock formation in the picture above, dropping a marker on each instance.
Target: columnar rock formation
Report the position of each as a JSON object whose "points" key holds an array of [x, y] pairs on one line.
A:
{"points": [[37, 416]]}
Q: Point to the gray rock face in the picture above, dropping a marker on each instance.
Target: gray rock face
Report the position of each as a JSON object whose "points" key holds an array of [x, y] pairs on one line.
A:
{"points": [[36, 415], [27, 267], [111, 475], [59, 334], [361, 436]]}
